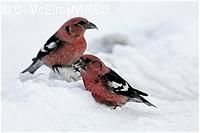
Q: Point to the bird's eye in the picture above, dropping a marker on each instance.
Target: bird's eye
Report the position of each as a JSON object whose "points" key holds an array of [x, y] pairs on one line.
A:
{"points": [[67, 29], [81, 23], [87, 60]]}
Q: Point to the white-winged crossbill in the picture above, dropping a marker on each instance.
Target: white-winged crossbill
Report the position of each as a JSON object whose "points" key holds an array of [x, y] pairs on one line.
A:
{"points": [[105, 85], [64, 47]]}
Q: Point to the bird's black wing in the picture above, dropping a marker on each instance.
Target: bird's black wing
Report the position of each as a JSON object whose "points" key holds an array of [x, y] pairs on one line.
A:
{"points": [[120, 86], [50, 46]]}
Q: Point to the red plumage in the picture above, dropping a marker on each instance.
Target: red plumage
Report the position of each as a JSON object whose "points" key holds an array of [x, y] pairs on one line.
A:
{"points": [[100, 92], [66, 54], [106, 86], [64, 47]]}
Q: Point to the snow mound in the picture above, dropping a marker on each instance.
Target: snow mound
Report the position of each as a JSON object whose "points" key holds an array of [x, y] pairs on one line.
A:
{"points": [[107, 42], [67, 74], [53, 105]]}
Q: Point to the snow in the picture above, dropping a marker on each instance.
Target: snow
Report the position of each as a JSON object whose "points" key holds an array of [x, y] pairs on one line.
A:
{"points": [[154, 47]]}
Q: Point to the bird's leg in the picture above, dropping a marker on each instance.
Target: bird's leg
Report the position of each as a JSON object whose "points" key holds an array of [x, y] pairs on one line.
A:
{"points": [[115, 106], [55, 68]]}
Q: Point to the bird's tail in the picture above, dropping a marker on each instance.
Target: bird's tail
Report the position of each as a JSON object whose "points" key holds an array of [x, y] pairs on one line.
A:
{"points": [[33, 67], [142, 100]]}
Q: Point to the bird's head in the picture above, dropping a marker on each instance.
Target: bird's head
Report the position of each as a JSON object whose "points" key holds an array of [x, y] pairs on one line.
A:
{"points": [[89, 63], [77, 26]]}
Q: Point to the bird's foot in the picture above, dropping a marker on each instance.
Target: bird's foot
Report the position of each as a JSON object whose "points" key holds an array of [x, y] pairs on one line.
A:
{"points": [[76, 70], [116, 106]]}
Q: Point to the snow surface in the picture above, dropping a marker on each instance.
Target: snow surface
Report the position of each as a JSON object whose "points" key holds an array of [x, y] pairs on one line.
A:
{"points": [[153, 45]]}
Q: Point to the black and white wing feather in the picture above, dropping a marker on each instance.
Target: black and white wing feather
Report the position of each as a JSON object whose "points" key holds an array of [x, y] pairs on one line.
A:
{"points": [[120, 86], [50, 46]]}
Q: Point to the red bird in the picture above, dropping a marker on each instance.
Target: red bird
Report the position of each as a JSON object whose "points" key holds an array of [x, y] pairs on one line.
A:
{"points": [[64, 47], [106, 86]]}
